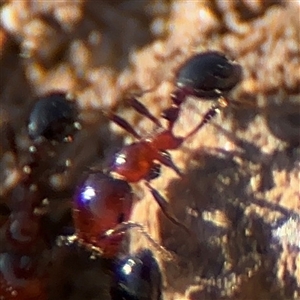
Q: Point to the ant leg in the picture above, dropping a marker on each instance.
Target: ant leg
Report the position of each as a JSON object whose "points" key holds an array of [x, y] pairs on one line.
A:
{"points": [[165, 207], [166, 160], [211, 113], [123, 124], [74, 241], [143, 110], [154, 172], [171, 115], [124, 226], [179, 95]]}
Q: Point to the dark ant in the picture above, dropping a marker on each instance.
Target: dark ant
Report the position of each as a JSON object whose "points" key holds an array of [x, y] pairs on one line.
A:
{"points": [[22, 271], [207, 75], [137, 277], [52, 118]]}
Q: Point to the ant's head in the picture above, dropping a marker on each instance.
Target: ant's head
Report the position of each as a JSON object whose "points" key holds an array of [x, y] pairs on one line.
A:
{"points": [[53, 117], [208, 75]]}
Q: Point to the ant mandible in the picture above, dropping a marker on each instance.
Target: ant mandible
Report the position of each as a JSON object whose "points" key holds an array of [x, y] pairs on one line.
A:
{"points": [[208, 75]]}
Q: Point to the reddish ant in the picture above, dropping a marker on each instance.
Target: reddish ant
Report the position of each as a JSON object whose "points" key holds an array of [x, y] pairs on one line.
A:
{"points": [[22, 271], [209, 75], [103, 202]]}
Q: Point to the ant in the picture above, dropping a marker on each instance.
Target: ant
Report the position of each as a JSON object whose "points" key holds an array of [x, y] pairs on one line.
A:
{"points": [[22, 271], [137, 277], [103, 201], [101, 212], [208, 75]]}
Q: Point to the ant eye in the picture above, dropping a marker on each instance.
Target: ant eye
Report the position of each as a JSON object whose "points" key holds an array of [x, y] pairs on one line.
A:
{"points": [[208, 74], [52, 117]]}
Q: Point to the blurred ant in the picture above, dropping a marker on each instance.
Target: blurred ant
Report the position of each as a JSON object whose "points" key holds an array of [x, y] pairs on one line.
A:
{"points": [[22, 271], [208, 75]]}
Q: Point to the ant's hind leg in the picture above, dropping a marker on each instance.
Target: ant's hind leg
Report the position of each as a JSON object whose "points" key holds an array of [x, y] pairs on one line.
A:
{"points": [[166, 160], [171, 114], [165, 207]]}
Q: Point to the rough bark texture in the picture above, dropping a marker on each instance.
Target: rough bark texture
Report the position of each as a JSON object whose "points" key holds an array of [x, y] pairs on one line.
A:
{"points": [[240, 191]]}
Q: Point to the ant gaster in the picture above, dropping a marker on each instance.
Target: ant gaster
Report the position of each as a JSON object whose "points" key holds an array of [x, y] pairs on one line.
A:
{"points": [[102, 208], [207, 75], [100, 204]]}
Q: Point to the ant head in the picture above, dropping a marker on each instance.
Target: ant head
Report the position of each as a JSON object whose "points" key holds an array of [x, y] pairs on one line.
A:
{"points": [[137, 277], [208, 75], [52, 117]]}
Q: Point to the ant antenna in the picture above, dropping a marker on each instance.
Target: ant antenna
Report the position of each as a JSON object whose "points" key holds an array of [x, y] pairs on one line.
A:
{"points": [[211, 113]]}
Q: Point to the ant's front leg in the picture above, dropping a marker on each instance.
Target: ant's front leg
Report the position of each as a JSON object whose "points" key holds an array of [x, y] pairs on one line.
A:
{"points": [[166, 160], [171, 114]]}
